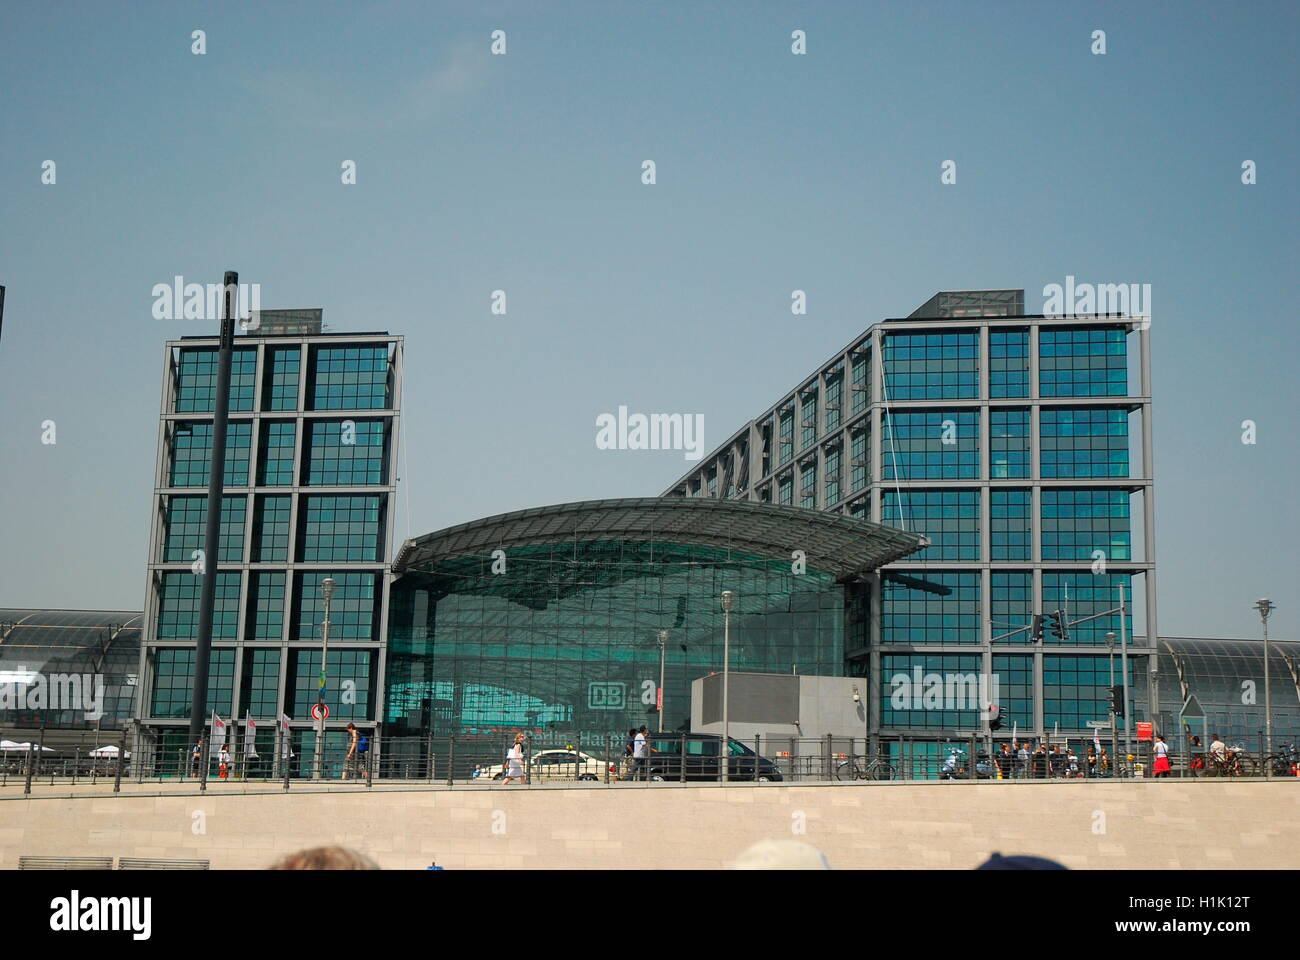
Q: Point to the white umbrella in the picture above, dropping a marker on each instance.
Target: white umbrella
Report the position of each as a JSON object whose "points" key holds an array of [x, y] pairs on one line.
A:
{"points": [[108, 751], [10, 745]]}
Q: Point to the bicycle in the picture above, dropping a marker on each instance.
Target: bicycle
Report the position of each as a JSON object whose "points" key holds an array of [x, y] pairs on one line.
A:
{"points": [[863, 768]]}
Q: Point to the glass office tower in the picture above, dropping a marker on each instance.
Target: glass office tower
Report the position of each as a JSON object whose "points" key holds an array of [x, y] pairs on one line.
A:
{"points": [[1021, 446], [310, 476]]}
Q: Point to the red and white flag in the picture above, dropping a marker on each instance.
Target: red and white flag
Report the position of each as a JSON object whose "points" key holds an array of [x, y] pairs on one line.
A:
{"points": [[250, 736], [217, 737]]}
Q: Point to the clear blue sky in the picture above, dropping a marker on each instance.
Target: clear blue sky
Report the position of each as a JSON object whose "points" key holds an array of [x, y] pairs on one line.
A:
{"points": [[522, 172]]}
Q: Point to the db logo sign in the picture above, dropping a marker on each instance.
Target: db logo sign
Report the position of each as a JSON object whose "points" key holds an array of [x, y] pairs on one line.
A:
{"points": [[605, 696]]}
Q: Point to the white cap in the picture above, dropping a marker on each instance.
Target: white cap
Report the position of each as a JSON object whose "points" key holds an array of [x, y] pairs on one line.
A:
{"points": [[782, 855]]}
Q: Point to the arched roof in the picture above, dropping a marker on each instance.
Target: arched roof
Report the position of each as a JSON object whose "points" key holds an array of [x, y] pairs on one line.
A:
{"points": [[37, 636], [842, 545]]}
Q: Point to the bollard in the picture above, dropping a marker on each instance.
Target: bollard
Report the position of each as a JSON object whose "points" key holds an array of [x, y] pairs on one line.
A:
{"points": [[429, 753], [27, 788], [451, 760]]}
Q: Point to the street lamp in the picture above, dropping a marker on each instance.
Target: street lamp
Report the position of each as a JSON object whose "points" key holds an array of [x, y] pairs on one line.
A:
{"points": [[327, 591], [1265, 606], [663, 643], [1123, 666], [1114, 734], [728, 599]]}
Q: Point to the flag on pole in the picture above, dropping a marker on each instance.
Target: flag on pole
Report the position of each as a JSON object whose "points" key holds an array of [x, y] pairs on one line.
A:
{"points": [[286, 751], [250, 736], [217, 739]]}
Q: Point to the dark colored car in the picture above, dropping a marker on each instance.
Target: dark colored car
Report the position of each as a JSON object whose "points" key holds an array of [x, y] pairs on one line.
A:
{"points": [[697, 753]]}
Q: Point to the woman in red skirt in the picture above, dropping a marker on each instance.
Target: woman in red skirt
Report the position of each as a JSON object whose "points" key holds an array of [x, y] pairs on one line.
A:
{"points": [[1161, 768]]}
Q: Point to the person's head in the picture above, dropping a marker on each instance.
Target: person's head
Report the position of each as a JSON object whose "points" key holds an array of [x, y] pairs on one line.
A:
{"points": [[782, 855], [519, 738], [632, 732], [326, 858], [1160, 738], [642, 729], [999, 862], [1217, 737]]}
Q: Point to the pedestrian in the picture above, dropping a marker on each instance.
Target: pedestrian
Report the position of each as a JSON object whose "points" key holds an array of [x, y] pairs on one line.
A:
{"points": [[1022, 760], [1103, 763], [1072, 764], [1219, 755], [1005, 761], [1039, 764], [350, 761], [638, 754], [223, 763], [1161, 749], [1091, 761], [196, 760], [515, 761]]}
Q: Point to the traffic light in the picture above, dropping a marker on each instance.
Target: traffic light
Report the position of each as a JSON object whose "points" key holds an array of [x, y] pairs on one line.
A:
{"points": [[1036, 631], [1059, 628], [995, 717], [1117, 699]]}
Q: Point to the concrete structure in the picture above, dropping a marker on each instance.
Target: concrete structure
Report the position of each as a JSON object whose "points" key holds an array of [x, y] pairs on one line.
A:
{"points": [[310, 485], [1021, 445], [898, 826], [786, 707]]}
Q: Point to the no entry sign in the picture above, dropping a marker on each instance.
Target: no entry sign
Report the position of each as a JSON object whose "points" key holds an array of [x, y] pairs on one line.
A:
{"points": [[320, 712]]}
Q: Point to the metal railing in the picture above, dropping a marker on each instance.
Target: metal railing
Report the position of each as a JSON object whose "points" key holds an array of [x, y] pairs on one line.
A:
{"points": [[552, 759]]}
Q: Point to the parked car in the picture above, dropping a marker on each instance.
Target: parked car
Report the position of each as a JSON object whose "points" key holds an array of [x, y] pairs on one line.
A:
{"points": [[665, 759], [556, 765]]}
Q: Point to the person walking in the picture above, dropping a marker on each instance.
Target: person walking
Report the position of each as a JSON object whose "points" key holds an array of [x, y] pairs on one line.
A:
{"points": [[515, 761], [628, 748], [1161, 750], [350, 761], [223, 763], [638, 755], [1219, 755], [196, 760], [1022, 761]]}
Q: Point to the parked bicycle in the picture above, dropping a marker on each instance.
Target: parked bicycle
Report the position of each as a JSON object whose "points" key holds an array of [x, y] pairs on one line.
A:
{"points": [[862, 768]]}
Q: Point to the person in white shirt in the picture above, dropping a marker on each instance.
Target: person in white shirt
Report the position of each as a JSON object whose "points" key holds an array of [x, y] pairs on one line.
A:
{"points": [[1218, 750], [515, 761], [638, 755]]}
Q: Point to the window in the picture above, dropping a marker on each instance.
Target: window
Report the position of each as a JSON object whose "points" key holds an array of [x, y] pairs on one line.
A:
{"points": [[192, 453], [1008, 443], [1009, 524], [173, 681], [340, 529], [1087, 442], [187, 520], [345, 452], [275, 454], [1009, 363], [931, 366], [280, 392], [1078, 522], [178, 606], [349, 378], [196, 379], [271, 530], [930, 445], [1082, 362], [950, 518]]}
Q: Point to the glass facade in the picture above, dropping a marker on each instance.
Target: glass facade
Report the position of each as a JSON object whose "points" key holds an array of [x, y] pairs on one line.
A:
{"points": [[261, 682], [178, 606], [950, 518], [909, 615], [1078, 522], [196, 380], [1087, 361], [346, 452], [341, 530], [187, 519], [1008, 443], [930, 691], [931, 445], [173, 687], [1009, 363], [192, 453], [1091, 442], [275, 453], [280, 539], [931, 366], [349, 378], [1009, 524], [566, 638]]}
